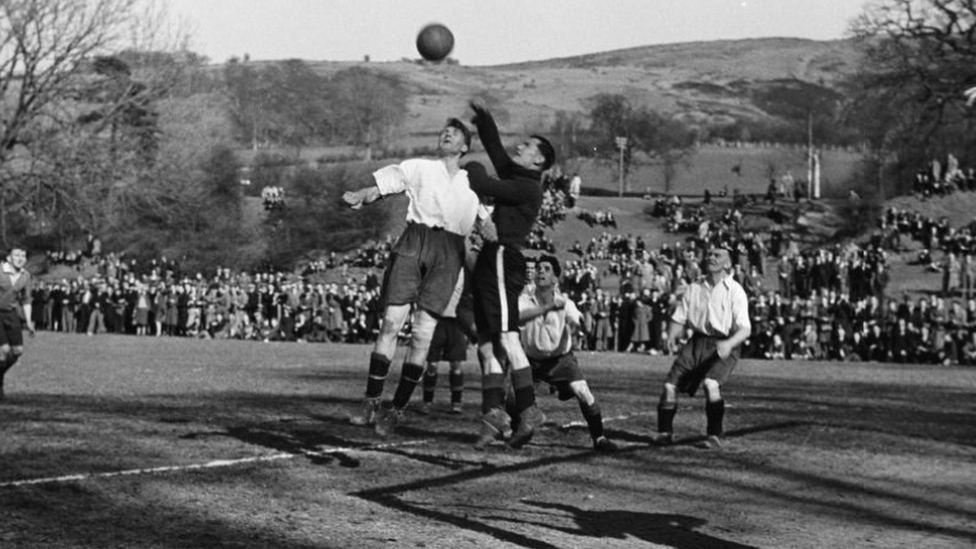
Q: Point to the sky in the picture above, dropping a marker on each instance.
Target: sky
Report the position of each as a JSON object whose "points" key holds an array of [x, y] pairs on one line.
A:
{"points": [[490, 32]]}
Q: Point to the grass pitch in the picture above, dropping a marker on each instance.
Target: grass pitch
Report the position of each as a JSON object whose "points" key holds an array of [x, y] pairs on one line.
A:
{"points": [[112, 442]]}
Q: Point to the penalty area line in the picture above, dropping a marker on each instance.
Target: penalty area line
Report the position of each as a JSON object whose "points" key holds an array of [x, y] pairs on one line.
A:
{"points": [[215, 464]]}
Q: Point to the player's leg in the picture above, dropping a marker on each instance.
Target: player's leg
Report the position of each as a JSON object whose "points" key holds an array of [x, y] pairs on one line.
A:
{"points": [[430, 383], [11, 344], [667, 408], [5, 364], [714, 412], [717, 375], [421, 332], [456, 381], [379, 362], [495, 422], [592, 414], [530, 416], [435, 353], [400, 288], [682, 370]]}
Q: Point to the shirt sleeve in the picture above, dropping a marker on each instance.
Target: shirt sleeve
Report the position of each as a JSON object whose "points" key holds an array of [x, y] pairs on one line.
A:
{"points": [[490, 139], [680, 314], [573, 314], [508, 190], [740, 309], [394, 178]]}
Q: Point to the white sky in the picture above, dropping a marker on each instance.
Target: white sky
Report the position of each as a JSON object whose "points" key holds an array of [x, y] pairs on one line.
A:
{"points": [[489, 32]]}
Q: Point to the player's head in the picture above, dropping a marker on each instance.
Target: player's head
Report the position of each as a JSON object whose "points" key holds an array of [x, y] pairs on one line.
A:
{"points": [[17, 256], [719, 259], [535, 153], [455, 137], [547, 266]]}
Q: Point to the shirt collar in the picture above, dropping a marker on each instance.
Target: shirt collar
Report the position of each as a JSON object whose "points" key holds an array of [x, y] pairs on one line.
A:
{"points": [[725, 281], [7, 268]]}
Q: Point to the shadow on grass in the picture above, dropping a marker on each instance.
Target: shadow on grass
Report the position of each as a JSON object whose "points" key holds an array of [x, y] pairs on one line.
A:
{"points": [[677, 531], [389, 496], [70, 515]]}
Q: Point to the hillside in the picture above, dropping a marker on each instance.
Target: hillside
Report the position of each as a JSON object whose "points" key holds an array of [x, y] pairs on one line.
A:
{"points": [[704, 82]]}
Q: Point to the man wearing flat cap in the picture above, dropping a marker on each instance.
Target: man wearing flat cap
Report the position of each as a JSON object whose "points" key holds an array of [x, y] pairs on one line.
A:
{"points": [[716, 311]]}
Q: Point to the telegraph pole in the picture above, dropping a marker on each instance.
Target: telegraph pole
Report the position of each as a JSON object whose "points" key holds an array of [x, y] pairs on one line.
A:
{"points": [[622, 145]]}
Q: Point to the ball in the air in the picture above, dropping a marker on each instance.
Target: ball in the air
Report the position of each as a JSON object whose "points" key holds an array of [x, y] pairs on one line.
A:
{"points": [[435, 42]]}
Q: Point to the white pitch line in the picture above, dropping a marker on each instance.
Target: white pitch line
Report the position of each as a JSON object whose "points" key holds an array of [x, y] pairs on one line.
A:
{"points": [[578, 423], [215, 464]]}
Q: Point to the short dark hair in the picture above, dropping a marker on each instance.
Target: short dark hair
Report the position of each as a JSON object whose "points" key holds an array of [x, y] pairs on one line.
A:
{"points": [[547, 150], [557, 269], [456, 123]]}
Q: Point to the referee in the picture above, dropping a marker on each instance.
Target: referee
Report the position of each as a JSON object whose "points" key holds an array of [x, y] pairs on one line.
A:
{"points": [[716, 311]]}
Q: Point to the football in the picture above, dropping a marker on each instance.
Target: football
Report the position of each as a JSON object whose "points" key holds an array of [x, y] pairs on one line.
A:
{"points": [[435, 42]]}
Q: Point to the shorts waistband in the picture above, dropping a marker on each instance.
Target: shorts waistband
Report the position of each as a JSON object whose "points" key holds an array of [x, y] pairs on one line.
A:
{"points": [[419, 225]]}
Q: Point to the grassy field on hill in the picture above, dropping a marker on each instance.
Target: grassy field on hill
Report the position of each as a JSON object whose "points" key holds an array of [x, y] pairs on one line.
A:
{"points": [[710, 167]]}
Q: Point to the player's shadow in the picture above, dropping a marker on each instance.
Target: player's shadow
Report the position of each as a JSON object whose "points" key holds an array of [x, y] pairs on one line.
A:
{"points": [[309, 445], [678, 531]]}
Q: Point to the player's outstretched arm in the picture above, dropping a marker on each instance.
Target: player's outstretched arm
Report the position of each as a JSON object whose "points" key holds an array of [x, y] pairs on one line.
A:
{"points": [[366, 195], [490, 139], [28, 318], [500, 189]]}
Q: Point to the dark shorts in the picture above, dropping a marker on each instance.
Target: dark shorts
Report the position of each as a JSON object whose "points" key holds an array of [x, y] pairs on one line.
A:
{"points": [[558, 372], [698, 360], [424, 267], [449, 342], [11, 328], [499, 278]]}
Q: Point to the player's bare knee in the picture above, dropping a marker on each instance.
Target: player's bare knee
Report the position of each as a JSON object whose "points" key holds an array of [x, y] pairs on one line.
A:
{"points": [[582, 391], [712, 390], [670, 394], [512, 346], [422, 332], [485, 352]]}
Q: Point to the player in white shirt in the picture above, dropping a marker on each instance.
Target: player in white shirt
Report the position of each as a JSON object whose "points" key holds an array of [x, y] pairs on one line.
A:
{"points": [[550, 321], [424, 267], [716, 310]]}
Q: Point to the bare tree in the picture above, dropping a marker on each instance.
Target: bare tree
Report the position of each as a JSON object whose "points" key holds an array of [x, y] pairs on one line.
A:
{"points": [[370, 106], [44, 44], [907, 96]]}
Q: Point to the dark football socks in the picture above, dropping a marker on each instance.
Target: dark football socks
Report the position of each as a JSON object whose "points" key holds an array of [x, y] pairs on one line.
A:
{"points": [[593, 417], [409, 378], [379, 367], [715, 414], [665, 416], [430, 383], [524, 390], [457, 386], [492, 391]]}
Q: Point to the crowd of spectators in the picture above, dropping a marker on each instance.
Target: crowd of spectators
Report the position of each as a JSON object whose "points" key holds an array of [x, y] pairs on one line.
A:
{"points": [[602, 218], [938, 180], [825, 303], [159, 300]]}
